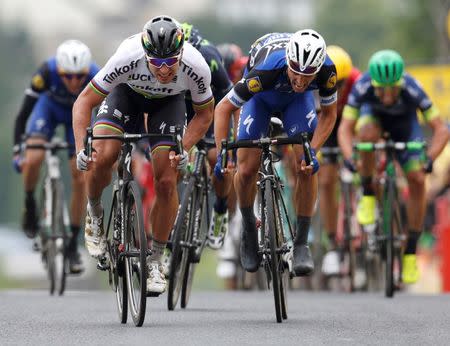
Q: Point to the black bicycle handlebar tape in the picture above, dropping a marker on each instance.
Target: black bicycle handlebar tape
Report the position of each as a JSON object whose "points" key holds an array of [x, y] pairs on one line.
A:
{"points": [[223, 155], [88, 142], [306, 148]]}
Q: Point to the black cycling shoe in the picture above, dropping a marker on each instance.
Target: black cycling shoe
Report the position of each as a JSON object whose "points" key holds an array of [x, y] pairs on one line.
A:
{"points": [[303, 263], [250, 259], [29, 218], [75, 263]]}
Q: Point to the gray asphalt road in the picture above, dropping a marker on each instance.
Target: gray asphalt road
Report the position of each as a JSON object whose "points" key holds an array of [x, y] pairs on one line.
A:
{"points": [[224, 318]]}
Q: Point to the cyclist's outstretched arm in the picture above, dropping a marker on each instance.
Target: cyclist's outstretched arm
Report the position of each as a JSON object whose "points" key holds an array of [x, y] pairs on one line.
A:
{"points": [[441, 136], [82, 109], [222, 118], [325, 125], [199, 124], [346, 133]]}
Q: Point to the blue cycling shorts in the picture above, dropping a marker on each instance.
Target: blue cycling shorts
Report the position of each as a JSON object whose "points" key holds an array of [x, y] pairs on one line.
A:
{"points": [[298, 113]]}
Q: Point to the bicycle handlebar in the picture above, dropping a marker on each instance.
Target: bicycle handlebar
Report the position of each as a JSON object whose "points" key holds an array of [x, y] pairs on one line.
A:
{"points": [[132, 137], [399, 146], [265, 142]]}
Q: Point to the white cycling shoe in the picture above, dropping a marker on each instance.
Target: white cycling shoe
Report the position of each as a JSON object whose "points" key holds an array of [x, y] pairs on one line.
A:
{"points": [[156, 281], [94, 236]]}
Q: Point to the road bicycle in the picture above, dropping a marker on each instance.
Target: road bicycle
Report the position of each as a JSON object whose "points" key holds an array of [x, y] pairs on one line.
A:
{"points": [[190, 231], [274, 245], [126, 255], [392, 233]]}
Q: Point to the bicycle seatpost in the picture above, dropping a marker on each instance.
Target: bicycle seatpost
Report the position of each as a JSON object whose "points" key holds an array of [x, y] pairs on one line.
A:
{"points": [[306, 147]]}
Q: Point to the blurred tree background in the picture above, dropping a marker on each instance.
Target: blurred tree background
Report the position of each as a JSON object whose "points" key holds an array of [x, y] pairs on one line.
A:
{"points": [[416, 28]]}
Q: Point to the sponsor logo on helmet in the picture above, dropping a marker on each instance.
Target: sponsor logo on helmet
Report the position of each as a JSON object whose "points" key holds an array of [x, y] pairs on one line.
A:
{"points": [[254, 84], [37, 82], [118, 71], [331, 82], [196, 78]]}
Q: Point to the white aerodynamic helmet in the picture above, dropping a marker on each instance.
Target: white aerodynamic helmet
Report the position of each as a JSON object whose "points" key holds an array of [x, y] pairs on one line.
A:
{"points": [[73, 56], [306, 52]]}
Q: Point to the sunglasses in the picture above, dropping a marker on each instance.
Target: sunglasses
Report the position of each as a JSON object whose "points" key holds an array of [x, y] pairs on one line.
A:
{"points": [[159, 62], [71, 76], [295, 67]]}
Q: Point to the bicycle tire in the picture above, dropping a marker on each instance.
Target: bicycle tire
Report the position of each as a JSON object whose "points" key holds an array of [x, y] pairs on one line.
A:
{"points": [[349, 248], [56, 253], [270, 232], [281, 265], [135, 267], [117, 265], [388, 223], [179, 252], [199, 203]]}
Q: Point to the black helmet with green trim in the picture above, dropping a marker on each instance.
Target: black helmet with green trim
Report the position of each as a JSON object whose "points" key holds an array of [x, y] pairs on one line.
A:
{"points": [[386, 68]]}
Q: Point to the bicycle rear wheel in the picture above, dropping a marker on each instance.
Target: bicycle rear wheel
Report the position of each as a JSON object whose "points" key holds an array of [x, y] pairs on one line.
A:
{"points": [[349, 247], [136, 258], [274, 261], [180, 252], [280, 238], [55, 243]]}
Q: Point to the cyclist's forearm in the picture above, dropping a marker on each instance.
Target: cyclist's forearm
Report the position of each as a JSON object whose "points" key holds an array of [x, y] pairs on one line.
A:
{"points": [[21, 119], [440, 139], [345, 137], [198, 127], [222, 118], [325, 125]]}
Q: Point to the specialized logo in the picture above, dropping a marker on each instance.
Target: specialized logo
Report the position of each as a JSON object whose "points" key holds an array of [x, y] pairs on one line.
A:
{"points": [[162, 127], [128, 161], [103, 108], [247, 123], [310, 117], [196, 78], [332, 80], [254, 84], [38, 82], [119, 71]]}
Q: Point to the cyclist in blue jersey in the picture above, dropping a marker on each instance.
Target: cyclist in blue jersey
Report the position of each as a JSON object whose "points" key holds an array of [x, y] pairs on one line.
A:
{"points": [[220, 85], [282, 72], [386, 99], [49, 100]]}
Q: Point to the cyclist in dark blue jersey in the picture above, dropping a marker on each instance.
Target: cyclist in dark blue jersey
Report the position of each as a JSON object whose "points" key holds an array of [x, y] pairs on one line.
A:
{"points": [[220, 85], [385, 99], [49, 100], [282, 72]]}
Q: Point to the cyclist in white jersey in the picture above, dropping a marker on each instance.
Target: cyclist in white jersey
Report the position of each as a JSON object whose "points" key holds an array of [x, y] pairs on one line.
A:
{"points": [[149, 73]]}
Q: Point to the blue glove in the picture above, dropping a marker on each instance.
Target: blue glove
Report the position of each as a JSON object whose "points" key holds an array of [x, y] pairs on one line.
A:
{"points": [[17, 163], [218, 168], [428, 166], [350, 165], [314, 162]]}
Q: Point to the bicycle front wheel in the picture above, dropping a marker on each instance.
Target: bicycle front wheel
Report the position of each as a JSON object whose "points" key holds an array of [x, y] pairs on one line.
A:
{"points": [[56, 242], [389, 223], [136, 254], [274, 261]]}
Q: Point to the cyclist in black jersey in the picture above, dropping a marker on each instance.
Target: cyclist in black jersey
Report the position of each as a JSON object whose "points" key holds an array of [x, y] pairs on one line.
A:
{"points": [[220, 85]]}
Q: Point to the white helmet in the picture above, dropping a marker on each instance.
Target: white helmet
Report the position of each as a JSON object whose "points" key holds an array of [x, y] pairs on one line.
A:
{"points": [[306, 52], [73, 56]]}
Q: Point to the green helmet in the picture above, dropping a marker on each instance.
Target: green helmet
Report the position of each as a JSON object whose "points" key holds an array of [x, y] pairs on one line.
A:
{"points": [[386, 68]]}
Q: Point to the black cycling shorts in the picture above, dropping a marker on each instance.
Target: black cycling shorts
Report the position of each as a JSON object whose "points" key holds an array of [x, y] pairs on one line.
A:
{"points": [[123, 111]]}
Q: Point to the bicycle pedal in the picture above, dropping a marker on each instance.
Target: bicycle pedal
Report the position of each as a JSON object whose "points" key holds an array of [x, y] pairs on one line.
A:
{"points": [[102, 264]]}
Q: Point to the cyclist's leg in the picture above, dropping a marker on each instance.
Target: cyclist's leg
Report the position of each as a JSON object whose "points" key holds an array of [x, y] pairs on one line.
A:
{"points": [[328, 202], [171, 112], [300, 116], [368, 130], [253, 123], [40, 129], [416, 205], [116, 114]]}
